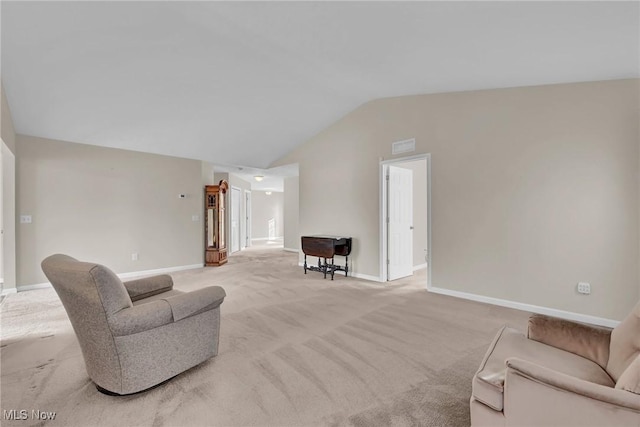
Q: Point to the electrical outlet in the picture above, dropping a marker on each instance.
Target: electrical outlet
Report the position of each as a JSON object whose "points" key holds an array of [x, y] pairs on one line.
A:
{"points": [[584, 288], [25, 219], [134, 256], [195, 218]]}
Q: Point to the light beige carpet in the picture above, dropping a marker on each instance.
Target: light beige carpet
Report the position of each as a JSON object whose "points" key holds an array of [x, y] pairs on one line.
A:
{"points": [[294, 350]]}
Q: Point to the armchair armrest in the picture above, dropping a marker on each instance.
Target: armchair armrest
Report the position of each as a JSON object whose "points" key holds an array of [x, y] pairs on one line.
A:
{"points": [[139, 318], [591, 342], [196, 302], [560, 381], [148, 286]]}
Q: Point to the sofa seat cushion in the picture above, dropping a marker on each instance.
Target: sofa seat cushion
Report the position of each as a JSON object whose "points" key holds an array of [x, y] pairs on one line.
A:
{"points": [[488, 383]]}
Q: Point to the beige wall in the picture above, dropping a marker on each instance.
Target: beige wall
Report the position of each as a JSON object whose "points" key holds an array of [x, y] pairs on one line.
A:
{"points": [[263, 209], [533, 189], [290, 213], [207, 170], [419, 170], [7, 188], [102, 204], [217, 177]]}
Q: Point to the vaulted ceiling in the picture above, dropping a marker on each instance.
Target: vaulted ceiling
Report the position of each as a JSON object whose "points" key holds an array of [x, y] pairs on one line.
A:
{"points": [[244, 83]]}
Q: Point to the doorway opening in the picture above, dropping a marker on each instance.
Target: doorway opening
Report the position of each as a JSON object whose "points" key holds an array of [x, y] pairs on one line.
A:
{"points": [[1, 222], [235, 219], [247, 218], [405, 217], [7, 222]]}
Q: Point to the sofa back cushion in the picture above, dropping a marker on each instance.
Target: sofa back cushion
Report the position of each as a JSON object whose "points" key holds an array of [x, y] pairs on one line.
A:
{"points": [[630, 378], [625, 344]]}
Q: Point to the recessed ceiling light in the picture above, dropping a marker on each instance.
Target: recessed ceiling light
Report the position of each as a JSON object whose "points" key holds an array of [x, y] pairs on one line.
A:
{"points": [[268, 193], [258, 178]]}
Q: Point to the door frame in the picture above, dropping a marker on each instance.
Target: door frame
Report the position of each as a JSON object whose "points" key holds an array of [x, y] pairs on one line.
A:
{"points": [[384, 168]]}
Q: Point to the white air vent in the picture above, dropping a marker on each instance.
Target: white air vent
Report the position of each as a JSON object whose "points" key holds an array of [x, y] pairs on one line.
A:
{"points": [[405, 146]]}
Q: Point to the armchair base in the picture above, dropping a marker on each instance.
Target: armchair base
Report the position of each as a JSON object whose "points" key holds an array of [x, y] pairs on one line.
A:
{"points": [[113, 393]]}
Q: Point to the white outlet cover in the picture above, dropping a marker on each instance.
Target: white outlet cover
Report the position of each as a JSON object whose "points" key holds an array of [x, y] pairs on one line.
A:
{"points": [[25, 219], [584, 288]]}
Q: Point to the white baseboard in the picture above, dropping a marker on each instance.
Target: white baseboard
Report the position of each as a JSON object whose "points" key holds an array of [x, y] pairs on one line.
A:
{"points": [[9, 291], [159, 271], [291, 250], [267, 238], [352, 274], [121, 276], [577, 317], [34, 287], [420, 267], [366, 277]]}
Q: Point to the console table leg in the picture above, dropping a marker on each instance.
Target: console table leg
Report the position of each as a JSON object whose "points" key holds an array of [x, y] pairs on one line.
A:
{"points": [[324, 268], [346, 266], [305, 263]]}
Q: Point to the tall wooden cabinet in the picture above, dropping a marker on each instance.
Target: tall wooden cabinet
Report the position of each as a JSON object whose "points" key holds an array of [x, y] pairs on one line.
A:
{"points": [[215, 251]]}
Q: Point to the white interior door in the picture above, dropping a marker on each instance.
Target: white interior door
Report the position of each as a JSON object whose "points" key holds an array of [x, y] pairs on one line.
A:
{"points": [[400, 222], [272, 229], [247, 218], [235, 219]]}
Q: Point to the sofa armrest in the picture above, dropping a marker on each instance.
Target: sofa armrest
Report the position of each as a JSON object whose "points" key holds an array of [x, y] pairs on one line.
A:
{"points": [[558, 380], [139, 318], [148, 286], [196, 302], [591, 342]]}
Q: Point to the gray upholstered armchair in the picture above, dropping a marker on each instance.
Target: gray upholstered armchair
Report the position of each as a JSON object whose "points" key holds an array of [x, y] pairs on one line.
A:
{"points": [[562, 373], [137, 334]]}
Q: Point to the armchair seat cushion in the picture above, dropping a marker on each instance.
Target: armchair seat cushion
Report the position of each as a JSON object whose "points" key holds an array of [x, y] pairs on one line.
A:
{"points": [[488, 383]]}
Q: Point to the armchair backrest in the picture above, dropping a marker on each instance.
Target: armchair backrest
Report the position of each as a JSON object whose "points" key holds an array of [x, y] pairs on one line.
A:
{"points": [[91, 294], [625, 344]]}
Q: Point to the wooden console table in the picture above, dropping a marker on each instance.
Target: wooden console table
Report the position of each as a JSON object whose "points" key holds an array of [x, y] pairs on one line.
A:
{"points": [[326, 247]]}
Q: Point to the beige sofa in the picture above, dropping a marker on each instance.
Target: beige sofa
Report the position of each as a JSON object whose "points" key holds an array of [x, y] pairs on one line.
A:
{"points": [[562, 373], [138, 334]]}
